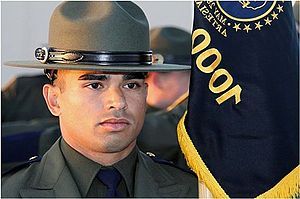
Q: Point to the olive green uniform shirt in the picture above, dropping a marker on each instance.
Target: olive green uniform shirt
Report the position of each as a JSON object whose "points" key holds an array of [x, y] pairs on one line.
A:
{"points": [[84, 172], [159, 135], [52, 177]]}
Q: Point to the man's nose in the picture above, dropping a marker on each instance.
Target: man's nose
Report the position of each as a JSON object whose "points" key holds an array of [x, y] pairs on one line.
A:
{"points": [[116, 99]]}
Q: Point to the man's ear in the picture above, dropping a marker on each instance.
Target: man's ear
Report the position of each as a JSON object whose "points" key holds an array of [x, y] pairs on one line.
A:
{"points": [[51, 94]]}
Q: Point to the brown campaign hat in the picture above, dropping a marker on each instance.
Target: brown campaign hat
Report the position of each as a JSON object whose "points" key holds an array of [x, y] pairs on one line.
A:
{"points": [[101, 35]]}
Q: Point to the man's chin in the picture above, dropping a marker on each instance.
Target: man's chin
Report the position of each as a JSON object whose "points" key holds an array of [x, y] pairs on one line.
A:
{"points": [[119, 146]]}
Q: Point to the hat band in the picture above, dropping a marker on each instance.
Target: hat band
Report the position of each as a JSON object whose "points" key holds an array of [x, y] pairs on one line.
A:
{"points": [[53, 55], [178, 59]]}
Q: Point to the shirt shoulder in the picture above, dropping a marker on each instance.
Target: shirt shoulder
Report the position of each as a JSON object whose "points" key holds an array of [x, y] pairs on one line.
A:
{"points": [[169, 164], [162, 171], [18, 178]]}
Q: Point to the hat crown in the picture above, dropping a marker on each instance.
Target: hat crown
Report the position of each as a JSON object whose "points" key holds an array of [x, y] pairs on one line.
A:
{"points": [[170, 41], [101, 35], [99, 26]]}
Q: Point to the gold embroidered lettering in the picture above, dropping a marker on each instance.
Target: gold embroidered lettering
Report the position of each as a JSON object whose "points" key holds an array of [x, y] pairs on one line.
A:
{"points": [[204, 55], [218, 73], [235, 91]]}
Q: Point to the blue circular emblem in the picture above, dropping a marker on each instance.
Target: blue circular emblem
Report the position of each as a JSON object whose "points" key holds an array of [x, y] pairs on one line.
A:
{"points": [[246, 11]]}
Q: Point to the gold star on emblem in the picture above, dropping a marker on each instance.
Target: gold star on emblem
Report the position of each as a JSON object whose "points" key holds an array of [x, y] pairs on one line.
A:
{"points": [[267, 21], [258, 25], [274, 15], [279, 8], [247, 28], [236, 27]]}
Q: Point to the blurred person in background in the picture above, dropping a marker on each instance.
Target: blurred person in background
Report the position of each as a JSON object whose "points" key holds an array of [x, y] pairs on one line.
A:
{"points": [[167, 95], [22, 100]]}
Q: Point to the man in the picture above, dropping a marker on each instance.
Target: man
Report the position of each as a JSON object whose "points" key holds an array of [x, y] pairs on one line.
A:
{"points": [[97, 60], [167, 92], [158, 135], [168, 89]]}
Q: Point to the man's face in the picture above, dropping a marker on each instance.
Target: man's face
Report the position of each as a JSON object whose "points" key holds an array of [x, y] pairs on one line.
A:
{"points": [[100, 112]]}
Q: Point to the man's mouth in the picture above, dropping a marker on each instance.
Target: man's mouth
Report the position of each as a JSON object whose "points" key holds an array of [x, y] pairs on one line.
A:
{"points": [[115, 124]]}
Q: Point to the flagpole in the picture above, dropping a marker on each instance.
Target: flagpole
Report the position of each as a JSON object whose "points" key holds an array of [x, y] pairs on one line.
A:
{"points": [[204, 191]]}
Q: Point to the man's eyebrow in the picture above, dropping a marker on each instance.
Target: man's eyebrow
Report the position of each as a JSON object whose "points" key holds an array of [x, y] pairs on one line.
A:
{"points": [[130, 76], [99, 77]]}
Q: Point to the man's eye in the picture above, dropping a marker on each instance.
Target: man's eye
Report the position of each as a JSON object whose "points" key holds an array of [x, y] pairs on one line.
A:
{"points": [[132, 85], [95, 86]]}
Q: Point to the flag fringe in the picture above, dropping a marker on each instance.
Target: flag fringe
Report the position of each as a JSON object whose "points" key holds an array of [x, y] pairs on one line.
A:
{"points": [[288, 187], [196, 163]]}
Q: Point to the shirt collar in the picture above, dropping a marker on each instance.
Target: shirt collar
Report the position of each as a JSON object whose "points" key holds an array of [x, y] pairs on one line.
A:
{"points": [[82, 169], [85, 170], [127, 167]]}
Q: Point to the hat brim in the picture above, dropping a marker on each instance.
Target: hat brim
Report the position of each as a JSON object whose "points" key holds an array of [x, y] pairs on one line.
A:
{"points": [[108, 68]]}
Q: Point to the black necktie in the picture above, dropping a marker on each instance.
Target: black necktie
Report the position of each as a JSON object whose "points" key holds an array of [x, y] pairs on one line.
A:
{"points": [[111, 178]]}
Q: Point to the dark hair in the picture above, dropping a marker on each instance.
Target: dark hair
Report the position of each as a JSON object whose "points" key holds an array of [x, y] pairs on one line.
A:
{"points": [[51, 74]]}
